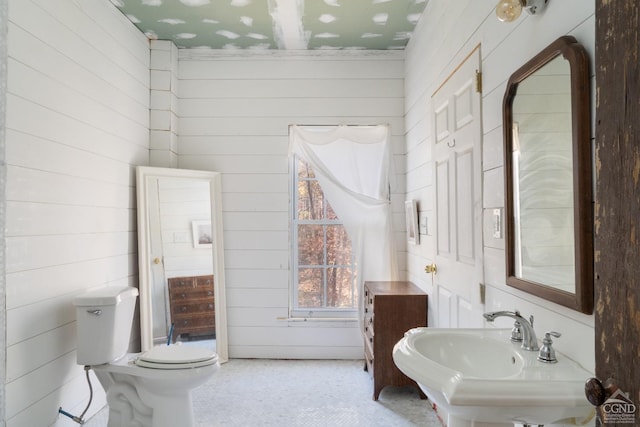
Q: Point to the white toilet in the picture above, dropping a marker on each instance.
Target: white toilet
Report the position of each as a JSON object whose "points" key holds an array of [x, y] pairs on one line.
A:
{"points": [[143, 389]]}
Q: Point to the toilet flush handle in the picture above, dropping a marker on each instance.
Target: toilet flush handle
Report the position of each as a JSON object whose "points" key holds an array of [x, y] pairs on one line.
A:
{"points": [[96, 312]]}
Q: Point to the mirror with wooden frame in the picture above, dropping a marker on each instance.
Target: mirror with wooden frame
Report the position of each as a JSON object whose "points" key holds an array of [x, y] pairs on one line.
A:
{"points": [[548, 177]]}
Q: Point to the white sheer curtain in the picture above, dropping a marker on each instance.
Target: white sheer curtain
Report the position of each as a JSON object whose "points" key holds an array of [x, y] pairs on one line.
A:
{"points": [[353, 166]]}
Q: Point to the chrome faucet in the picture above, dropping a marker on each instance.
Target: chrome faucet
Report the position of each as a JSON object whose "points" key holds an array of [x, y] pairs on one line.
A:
{"points": [[529, 339]]}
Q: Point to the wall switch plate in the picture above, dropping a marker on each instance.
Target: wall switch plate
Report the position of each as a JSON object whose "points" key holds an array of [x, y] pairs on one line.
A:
{"points": [[424, 226], [497, 224]]}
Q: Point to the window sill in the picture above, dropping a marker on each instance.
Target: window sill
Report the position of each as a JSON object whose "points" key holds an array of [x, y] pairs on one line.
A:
{"points": [[315, 321]]}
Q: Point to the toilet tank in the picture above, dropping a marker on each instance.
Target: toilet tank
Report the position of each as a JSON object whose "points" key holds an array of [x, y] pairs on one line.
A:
{"points": [[104, 320]]}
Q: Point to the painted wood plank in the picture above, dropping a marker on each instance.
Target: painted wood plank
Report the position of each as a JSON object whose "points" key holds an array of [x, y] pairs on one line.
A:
{"points": [[292, 88], [36, 285], [240, 164], [30, 118], [63, 159], [264, 239], [269, 126], [45, 251], [40, 23], [30, 185], [34, 53], [254, 183], [256, 221], [39, 383], [297, 352], [249, 298], [318, 334], [271, 259], [290, 68], [233, 145], [291, 107], [258, 278]]}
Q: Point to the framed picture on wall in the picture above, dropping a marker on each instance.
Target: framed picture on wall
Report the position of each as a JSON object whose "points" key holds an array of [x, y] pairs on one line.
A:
{"points": [[411, 214], [202, 234]]}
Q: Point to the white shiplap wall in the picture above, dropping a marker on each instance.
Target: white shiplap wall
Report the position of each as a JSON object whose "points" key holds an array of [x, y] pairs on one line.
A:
{"points": [[234, 117], [446, 34], [77, 123]]}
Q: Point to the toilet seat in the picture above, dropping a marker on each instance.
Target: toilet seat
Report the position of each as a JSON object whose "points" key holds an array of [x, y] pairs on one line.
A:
{"points": [[176, 357]]}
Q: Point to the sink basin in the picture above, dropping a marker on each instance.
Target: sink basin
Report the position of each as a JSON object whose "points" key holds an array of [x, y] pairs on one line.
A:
{"points": [[479, 376], [473, 355]]}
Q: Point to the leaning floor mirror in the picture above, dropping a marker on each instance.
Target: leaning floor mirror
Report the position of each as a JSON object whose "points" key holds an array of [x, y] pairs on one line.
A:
{"points": [[181, 259]]}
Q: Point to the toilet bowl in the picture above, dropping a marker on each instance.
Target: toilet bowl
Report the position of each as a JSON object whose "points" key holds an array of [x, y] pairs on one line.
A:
{"points": [[141, 390], [151, 389]]}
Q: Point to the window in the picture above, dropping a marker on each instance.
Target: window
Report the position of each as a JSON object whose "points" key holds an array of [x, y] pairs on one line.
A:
{"points": [[323, 261]]}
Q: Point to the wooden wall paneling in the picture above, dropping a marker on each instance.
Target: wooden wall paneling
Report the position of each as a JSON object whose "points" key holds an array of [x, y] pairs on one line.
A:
{"points": [[617, 147], [77, 118], [235, 115]]}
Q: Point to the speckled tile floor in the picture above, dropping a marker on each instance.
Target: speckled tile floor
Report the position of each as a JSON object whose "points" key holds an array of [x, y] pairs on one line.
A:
{"points": [[300, 393]]}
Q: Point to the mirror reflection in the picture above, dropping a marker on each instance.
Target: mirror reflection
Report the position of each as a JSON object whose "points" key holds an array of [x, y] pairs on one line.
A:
{"points": [[543, 178], [181, 259], [548, 177]]}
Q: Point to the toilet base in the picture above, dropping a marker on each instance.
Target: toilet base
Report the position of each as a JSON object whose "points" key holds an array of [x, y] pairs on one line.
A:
{"points": [[127, 408], [145, 397]]}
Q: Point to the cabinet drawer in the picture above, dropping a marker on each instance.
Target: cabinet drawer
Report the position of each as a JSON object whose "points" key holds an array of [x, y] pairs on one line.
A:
{"points": [[204, 281], [190, 294], [390, 309], [194, 307], [368, 358], [194, 322]]}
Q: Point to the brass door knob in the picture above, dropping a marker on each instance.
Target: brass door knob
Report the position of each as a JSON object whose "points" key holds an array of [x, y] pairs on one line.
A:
{"points": [[156, 260], [431, 268]]}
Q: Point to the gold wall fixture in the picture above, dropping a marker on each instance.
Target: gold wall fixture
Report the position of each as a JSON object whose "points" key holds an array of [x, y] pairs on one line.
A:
{"points": [[510, 10]]}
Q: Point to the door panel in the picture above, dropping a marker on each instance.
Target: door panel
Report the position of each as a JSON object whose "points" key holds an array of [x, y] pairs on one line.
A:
{"points": [[464, 207], [443, 237], [458, 196]]}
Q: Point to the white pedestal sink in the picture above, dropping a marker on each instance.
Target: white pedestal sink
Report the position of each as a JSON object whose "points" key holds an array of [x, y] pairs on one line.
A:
{"points": [[478, 377]]}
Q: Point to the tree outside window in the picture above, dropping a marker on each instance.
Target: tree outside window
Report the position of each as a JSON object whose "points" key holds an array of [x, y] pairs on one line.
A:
{"points": [[324, 263]]}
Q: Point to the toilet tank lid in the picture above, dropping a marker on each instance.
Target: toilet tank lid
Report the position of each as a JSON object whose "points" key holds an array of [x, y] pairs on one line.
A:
{"points": [[107, 295]]}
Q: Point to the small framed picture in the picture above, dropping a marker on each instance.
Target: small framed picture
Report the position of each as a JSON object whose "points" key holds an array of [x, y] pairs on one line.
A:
{"points": [[411, 214], [202, 234]]}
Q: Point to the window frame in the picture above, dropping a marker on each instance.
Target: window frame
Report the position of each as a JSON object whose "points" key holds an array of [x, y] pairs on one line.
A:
{"points": [[315, 312]]}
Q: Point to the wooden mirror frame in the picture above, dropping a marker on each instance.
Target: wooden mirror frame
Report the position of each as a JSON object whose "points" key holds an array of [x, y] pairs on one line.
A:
{"points": [[571, 50]]}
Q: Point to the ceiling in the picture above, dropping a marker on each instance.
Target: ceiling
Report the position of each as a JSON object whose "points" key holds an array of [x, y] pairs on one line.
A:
{"points": [[277, 24]]}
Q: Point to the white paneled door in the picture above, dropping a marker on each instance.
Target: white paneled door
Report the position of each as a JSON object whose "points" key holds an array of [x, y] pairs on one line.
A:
{"points": [[456, 120]]}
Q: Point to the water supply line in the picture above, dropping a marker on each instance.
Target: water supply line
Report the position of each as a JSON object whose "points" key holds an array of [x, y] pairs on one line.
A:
{"points": [[80, 419]]}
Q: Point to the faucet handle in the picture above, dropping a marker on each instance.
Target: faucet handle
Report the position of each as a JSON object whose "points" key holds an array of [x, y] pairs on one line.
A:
{"points": [[547, 353], [516, 332]]}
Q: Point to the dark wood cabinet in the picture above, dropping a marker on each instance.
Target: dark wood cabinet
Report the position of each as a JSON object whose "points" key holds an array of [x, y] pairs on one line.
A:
{"points": [[390, 309], [192, 304]]}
